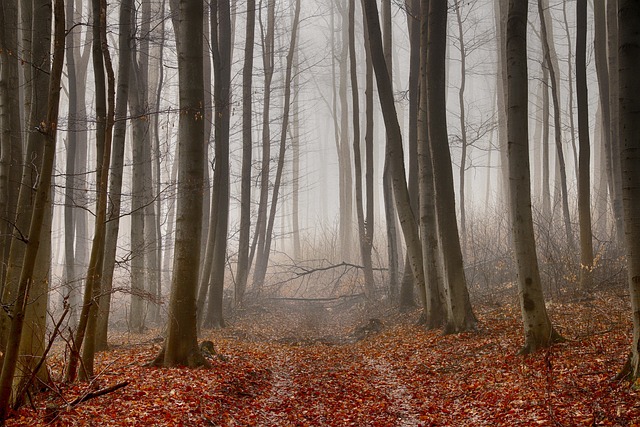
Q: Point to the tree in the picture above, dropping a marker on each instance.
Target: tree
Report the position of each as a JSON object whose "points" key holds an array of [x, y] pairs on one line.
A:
{"points": [[460, 316], [11, 129], [584, 181], [257, 246], [393, 239], [141, 162], [117, 166], [245, 191], [413, 22], [365, 233], [181, 345], [261, 269], [42, 200], [551, 65], [32, 344], [538, 330], [394, 151], [629, 113], [221, 49], [105, 111], [342, 145], [614, 96], [434, 298]]}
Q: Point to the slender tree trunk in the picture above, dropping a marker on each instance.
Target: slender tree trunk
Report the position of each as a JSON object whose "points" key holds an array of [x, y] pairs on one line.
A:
{"points": [[572, 126], [368, 146], [584, 181], [32, 344], [413, 22], [247, 155], [629, 113], [555, 96], [221, 45], [394, 151], [48, 128], [614, 96], [260, 273], [365, 244], [501, 7], [602, 71], [460, 316], [346, 181], [463, 126], [261, 221], [538, 331], [139, 126], [11, 162], [117, 166], [105, 111], [393, 239]]}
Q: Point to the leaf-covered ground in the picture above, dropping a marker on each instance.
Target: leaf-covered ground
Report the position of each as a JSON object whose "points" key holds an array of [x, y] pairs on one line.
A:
{"points": [[298, 365]]}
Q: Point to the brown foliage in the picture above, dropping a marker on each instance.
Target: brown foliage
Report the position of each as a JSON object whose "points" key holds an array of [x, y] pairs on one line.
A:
{"points": [[403, 375]]}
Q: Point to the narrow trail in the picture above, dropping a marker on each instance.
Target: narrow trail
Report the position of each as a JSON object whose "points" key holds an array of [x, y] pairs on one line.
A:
{"points": [[401, 398]]}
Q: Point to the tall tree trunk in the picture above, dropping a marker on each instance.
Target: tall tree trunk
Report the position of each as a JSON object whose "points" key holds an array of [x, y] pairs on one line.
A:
{"points": [[501, 9], [261, 269], [40, 33], [460, 316], [413, 22], [555, 96], [602, 72], [394, 150], [546, 191], [117, 166], [48, 128], [368, 144], [11, 161], [393, 238], [629, 113], [105, 112], [614, 96], [181, 345], [295, 161], [584, 181], [139, 126], [463, 126], [247, 155], [221, 46], [365, 243], [570, 108], [538, 331], [434, 297], [344, 158], [261, 221]]}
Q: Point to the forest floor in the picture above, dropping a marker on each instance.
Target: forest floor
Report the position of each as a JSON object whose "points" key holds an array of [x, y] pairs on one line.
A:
{"points": [[296, 364]]}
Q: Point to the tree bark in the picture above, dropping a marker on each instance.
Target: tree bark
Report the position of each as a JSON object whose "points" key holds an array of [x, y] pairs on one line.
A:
{"points": [[48, 128], [394, 150], [365, 242], [434, 297], [221, 46], [629, 114], [538, 331], [555, 96], [181, 345], [117, 166], [242, 272], [584, 179], [460, 316], [261, 269]]}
